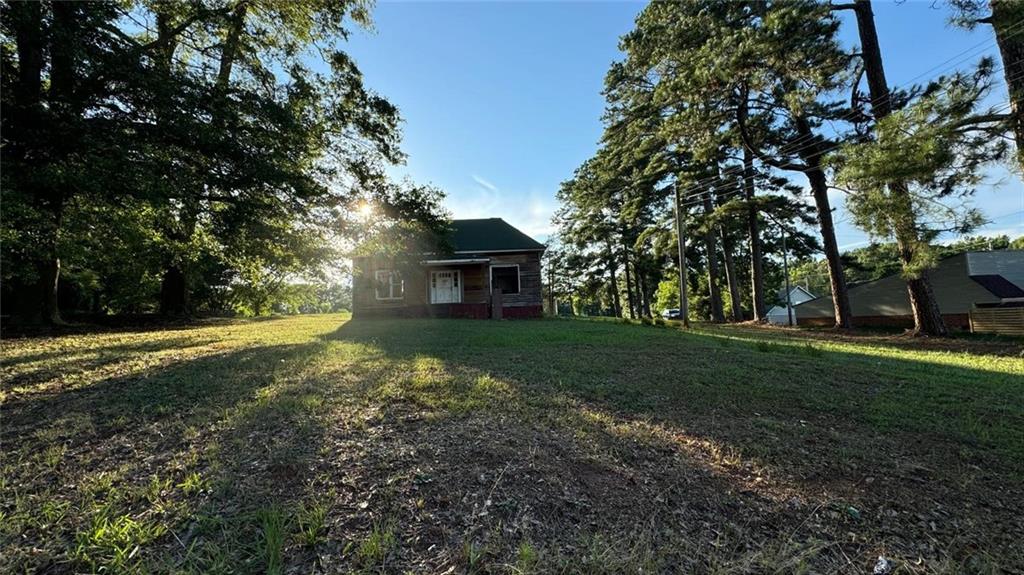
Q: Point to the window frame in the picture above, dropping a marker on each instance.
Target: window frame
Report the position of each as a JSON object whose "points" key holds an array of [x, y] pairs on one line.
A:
{"points": [[388, 284], [519, 279]]}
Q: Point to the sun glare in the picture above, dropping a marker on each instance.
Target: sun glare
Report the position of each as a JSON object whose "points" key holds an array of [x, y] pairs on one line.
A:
{"points": [[365, 210]]}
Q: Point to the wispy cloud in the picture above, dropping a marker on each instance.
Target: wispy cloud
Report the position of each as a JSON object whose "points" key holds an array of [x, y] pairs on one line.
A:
{"points": [[529, 210], [484, 183], [853, 245]]}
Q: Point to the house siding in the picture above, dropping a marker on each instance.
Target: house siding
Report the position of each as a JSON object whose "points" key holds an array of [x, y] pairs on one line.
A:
{"points": [[475, 280], [529, 278]]}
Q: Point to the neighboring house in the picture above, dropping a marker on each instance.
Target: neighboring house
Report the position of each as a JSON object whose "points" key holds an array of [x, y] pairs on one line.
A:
{"points": [[797, 295], [493, 271], [962, 284]]}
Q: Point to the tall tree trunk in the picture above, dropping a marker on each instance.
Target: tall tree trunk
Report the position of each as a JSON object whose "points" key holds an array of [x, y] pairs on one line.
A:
{"points": [[645, 299], [613, 291], [49, 266], [613, 282], [27, 17], [927, 316], [552, 305], [232, 46], [728, 247], [711, 247], [174, 284], [166, 40], [629, 284], [1006, 17], [811, 154], [174, 294], [754, 235], [51, 198], [684, 304], [31, 300]]}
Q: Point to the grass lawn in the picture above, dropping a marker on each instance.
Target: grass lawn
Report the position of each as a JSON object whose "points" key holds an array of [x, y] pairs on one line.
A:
{"points": [[317, 444]]}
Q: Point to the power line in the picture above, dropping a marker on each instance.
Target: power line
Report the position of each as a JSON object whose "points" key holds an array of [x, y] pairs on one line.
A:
{"points": [[807, 141], [732, 193], [960, 57], [710, 180]]}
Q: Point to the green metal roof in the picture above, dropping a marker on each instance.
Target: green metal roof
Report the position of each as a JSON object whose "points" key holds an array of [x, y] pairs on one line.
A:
{"points": [[490, 235]]}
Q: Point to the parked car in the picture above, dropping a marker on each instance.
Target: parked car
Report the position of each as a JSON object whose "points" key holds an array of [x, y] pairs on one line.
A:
{"points": [[670, 314]]}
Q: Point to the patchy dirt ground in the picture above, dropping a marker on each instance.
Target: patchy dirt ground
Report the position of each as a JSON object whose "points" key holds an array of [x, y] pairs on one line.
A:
{"points": [[312, 444]]}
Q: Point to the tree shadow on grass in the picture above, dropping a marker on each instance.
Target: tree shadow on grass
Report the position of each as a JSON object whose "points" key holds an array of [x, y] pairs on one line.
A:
{"points": [[905, 444], [191, 451], [604, 447], [126, 324], [86, 359]]}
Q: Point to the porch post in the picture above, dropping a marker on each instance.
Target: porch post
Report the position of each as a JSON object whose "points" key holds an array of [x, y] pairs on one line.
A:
{"points": [[496, 304]]}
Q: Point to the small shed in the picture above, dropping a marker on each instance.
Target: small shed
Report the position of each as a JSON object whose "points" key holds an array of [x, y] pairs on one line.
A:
{"points": [[797, 296]]}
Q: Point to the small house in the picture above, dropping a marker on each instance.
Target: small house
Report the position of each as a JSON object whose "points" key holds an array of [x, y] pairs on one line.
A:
{"points": [[492, 271]]}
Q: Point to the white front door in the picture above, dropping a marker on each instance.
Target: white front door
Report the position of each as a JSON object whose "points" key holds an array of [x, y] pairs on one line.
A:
{"points": [[444, 286]]}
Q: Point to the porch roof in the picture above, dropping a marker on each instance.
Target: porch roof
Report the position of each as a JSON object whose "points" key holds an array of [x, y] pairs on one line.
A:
{"points": [[455, 261]]}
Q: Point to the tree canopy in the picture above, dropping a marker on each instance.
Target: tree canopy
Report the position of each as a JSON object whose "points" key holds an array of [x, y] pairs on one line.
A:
{"points": [[739, 119], [183, 157]]}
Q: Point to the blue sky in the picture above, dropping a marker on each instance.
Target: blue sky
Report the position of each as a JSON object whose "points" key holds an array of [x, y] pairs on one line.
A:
{"points": [[501, 101]]}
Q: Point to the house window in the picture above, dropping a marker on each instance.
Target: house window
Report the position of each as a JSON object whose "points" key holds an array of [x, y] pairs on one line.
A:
{"points": [[389, 285], [505, 278]]}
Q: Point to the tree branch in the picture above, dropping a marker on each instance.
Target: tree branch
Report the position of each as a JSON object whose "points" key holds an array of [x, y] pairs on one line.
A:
{"points": [[741, 123], [974, 122]]}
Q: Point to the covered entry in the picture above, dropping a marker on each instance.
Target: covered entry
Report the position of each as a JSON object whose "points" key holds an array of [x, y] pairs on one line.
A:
{"points": [[456, 287], [445, 286]]}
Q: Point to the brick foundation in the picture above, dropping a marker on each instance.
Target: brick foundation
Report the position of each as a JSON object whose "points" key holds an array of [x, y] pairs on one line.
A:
{"points": [[457, 310]]}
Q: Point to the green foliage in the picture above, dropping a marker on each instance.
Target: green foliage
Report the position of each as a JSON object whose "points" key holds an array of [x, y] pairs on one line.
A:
{"points": [[938, 145], [311, 520], [378, 546], [272, 525], [112, 542], [526, 558], [221, 176], [667, 296], [701, 81]]}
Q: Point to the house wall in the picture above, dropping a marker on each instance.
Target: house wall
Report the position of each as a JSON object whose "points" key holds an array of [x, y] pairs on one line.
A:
{"points": [[529, 279], [798, 295], [885, 301], [364, 283], [475, 289]]}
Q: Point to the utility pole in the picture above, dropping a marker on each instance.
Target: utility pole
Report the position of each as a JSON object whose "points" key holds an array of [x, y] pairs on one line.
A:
{"points": [[785, 271], [684, 313]]}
